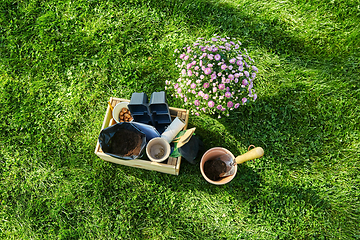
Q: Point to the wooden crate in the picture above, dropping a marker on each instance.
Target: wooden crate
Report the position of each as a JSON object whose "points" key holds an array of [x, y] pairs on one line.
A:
{"points": [[170, 166]]}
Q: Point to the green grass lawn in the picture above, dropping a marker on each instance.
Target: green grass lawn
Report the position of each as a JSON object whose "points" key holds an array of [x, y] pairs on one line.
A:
{"points": [[60, 62]]}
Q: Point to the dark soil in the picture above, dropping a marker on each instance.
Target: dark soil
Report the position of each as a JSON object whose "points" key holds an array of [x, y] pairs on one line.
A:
{"points": [[213, 168], [126, 142]]}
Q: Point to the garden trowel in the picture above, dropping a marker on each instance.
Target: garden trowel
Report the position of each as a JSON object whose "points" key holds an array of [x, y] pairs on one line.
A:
{"points": [[230, 162]]}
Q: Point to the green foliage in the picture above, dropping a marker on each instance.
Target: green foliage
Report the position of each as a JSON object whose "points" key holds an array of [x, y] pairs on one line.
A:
{"points": [[60, 61]]}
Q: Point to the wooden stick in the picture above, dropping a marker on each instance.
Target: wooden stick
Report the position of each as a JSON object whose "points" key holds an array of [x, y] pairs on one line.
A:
{"points": [[111, 107]]}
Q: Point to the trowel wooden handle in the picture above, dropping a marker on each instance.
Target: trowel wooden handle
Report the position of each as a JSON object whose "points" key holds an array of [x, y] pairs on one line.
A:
{"points": [[250, 155]]}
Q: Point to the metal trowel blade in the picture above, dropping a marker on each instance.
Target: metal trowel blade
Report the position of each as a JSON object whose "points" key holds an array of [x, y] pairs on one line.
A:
{"points": [[228, 173], [230, 165]]}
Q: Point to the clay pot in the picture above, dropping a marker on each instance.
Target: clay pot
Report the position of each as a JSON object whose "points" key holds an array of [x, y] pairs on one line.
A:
{"points": [[217, 152], [212, 154]]}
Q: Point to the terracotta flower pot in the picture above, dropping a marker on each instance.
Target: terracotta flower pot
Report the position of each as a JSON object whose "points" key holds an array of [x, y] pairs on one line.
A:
{"points": [[216, 153], [212, 154]]}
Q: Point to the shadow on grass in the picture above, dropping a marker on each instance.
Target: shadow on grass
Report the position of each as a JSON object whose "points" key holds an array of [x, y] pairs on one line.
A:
{"points": [[296, 128], [272, 31]]}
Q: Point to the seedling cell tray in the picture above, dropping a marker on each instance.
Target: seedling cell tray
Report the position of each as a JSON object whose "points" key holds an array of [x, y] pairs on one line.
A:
{"points": [[159, 109], [138, 104], [158, 103]]}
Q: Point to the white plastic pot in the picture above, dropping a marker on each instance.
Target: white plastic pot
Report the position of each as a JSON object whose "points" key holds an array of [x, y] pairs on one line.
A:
{"points": [[158, 149], [117, 109]]}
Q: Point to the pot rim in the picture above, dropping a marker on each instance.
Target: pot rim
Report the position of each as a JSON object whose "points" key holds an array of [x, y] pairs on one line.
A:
{"points": [[203, 160]]}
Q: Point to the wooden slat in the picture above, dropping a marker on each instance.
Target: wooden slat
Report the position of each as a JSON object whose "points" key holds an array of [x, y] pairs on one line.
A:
{"points": [[165, 168], [172, 161], [177, 167], [105, 124], [186, 119]]}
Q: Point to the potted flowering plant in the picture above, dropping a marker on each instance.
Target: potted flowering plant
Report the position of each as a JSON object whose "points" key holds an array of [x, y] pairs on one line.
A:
{"points": [[215, 76]]}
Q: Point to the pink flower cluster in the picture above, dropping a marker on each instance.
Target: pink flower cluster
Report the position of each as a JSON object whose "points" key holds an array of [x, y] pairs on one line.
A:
{"points": [[215, 76]]}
